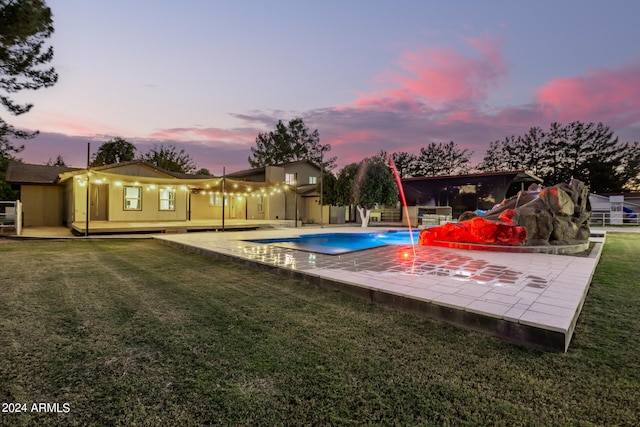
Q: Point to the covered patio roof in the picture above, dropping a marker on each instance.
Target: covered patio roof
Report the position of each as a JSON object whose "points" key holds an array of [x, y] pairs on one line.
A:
{"points": [[193, 183]]}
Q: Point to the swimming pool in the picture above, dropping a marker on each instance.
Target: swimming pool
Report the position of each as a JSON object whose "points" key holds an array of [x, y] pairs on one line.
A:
{"points": [[341, 243]]}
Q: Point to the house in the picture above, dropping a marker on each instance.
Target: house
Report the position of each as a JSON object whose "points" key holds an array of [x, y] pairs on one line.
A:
{"points": [[137, 196], [303, 203]]}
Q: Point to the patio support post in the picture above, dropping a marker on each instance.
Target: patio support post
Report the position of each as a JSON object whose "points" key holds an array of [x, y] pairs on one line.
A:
{"points": [[18, 217], [223, 195], [321, 187], [295, 192], [86, 221]]}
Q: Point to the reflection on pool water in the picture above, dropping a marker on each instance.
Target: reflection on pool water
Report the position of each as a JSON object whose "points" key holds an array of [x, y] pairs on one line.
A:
{"points": [[340, 243]]}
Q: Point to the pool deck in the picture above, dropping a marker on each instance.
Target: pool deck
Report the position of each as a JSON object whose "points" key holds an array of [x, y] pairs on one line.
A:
{"points": [[531, 299]]}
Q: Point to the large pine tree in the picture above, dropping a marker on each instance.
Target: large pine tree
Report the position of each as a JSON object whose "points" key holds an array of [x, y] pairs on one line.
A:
{"points": [[25, 26], [289, 143]]}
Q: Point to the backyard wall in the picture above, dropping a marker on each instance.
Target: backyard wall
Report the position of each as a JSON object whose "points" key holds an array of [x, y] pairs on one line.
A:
{"points": [[42, 205]]}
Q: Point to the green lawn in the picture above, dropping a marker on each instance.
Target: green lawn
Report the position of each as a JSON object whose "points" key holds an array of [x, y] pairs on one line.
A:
{"points": [[137, 333]]}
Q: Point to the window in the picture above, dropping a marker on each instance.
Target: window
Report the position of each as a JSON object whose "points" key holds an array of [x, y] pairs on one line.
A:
{"points": [[313, 180], [132, 198], [260, 203], [167, 199], [216, 200], [290, 178]]}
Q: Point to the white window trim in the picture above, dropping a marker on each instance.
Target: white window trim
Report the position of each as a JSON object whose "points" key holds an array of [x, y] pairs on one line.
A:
{"points": [[139, 198]]}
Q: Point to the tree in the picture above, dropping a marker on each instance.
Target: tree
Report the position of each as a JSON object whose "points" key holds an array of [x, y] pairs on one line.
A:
{"points": [[495, 158], [116, 150], [575, 150], [601, 169], [455, 160], [442, 159], [365, 185], [529, 152], [555, 141], [631, 167], [345, 183], [329, 189], [167, 157], [374, 185], [203, 171], [405, 163], [25, 26], [7, 152], [59, 161], [290, 143], [589, 152]]}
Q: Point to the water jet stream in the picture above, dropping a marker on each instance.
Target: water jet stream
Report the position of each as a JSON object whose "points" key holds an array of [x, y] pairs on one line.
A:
{"points": [[396, 176]]}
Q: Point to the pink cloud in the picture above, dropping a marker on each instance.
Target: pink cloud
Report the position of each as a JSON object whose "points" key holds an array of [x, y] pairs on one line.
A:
{"points": [[439, 76], [610, 96], [63, 123], [233, 135]]}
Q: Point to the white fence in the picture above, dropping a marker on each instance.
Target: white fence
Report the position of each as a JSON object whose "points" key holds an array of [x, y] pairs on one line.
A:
{"points": [[11, 216], [604, 218]]}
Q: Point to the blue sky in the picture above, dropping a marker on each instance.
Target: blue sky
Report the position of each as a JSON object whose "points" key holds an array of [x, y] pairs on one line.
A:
{"points": [[208, 76]]}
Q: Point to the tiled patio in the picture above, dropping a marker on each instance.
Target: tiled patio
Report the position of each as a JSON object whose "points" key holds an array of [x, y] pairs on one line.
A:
{"points": [[533, 299]]}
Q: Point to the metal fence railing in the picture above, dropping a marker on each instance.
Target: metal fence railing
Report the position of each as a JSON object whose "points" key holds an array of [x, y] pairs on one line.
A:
{"points": [[11, 216], [604, 218]]}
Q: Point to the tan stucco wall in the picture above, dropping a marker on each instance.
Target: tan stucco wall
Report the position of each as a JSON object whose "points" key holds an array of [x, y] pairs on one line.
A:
{"points": [[252, 208], [42, 205], [304, 171], [150, 204], [201, 209], [275, 206], [79, 201], [273, 174], [312, 211]]}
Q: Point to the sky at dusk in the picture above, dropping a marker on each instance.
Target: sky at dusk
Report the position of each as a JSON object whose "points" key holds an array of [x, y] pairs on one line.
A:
{"points": [[209, 76]]}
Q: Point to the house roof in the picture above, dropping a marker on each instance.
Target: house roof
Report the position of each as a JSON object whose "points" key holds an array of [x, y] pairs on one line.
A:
{"points": [[25, 173], [519, 176], [179, 175], [261, 169], [308, 190]]}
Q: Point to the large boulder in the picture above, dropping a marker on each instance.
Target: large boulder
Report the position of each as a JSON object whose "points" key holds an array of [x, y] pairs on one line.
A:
{"points": [[557, 215]]}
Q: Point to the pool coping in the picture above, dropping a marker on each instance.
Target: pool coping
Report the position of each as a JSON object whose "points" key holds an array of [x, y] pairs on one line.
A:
{"points": [[539, 318]]}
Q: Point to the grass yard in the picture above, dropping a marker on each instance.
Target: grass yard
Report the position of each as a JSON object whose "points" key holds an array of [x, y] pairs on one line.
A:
{"points": [[122, 333]]}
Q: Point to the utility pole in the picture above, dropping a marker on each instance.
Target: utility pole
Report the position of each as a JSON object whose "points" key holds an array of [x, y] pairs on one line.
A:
{"points": [[223, 195], [86, 223]]}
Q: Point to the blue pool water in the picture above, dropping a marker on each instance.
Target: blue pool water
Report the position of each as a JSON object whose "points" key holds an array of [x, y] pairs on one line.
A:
{"points": [[340, 243]]}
